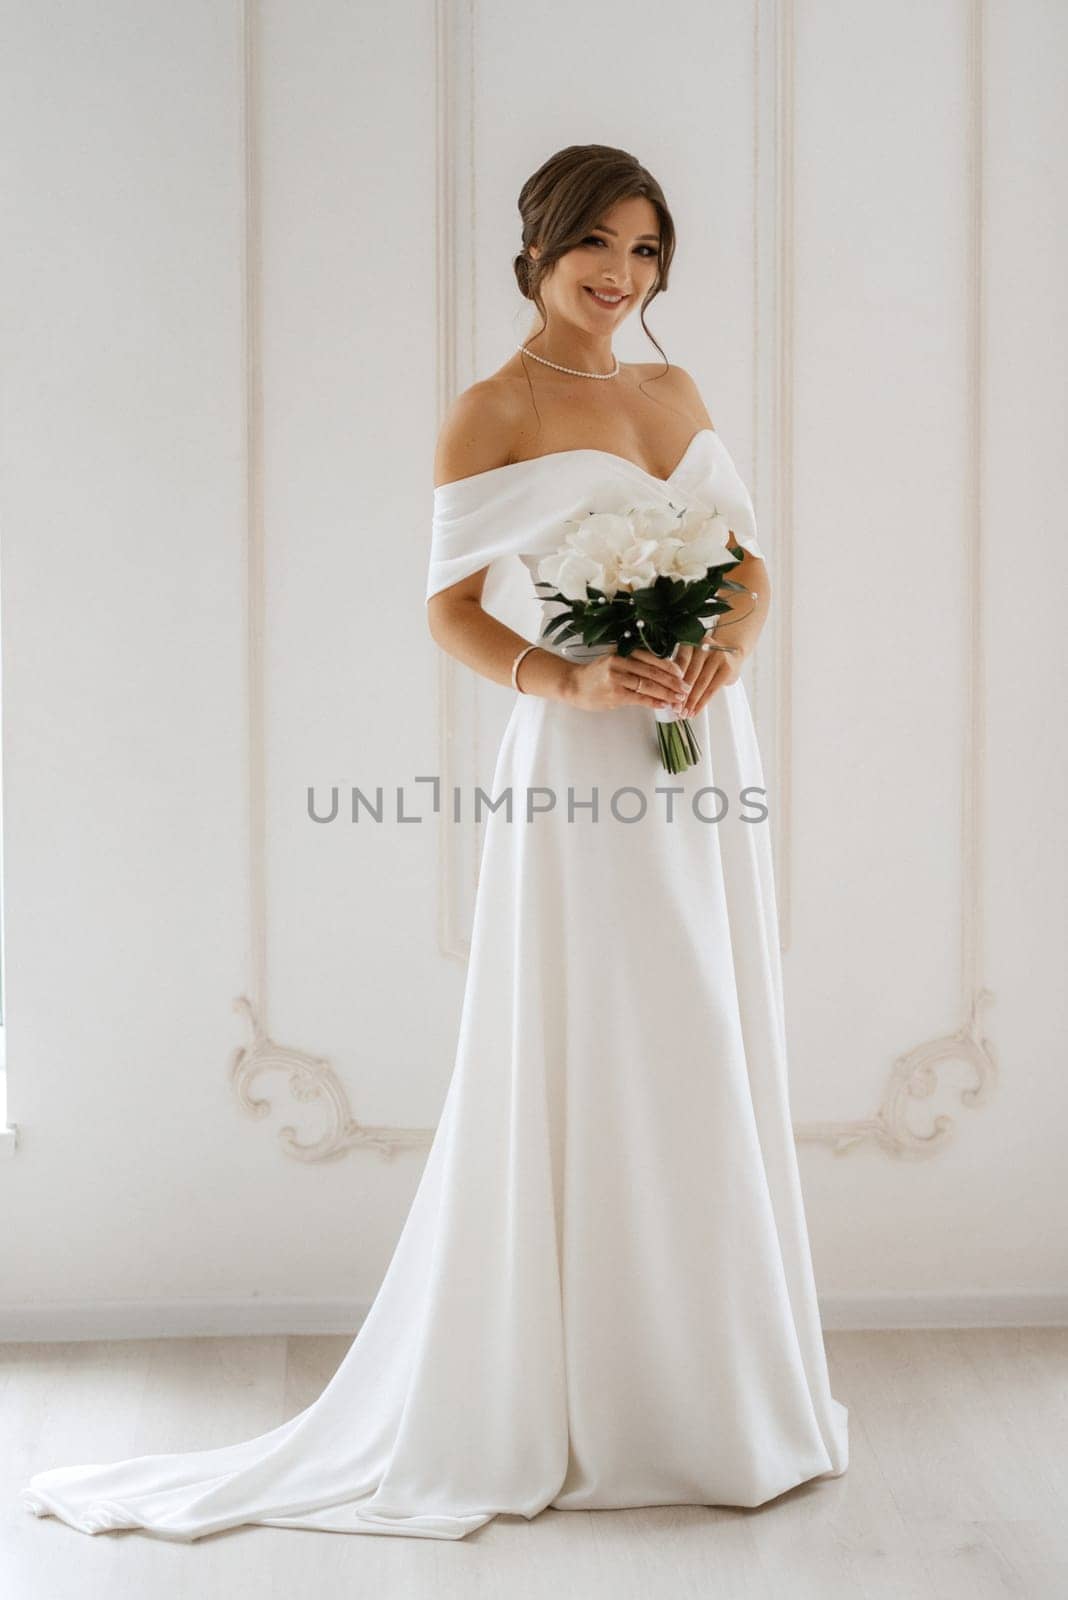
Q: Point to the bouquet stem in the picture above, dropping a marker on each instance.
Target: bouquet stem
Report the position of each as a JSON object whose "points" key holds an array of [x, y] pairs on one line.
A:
{"points": [[679, 749]]}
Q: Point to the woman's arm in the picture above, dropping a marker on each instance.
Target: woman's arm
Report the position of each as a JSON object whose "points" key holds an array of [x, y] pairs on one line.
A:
{"points": [[741, 627], [463, 629], [752, 613], [751, 570], [476, 437]]}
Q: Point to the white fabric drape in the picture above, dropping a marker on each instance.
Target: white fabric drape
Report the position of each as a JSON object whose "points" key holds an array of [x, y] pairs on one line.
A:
{"points": [[603, 1294]]}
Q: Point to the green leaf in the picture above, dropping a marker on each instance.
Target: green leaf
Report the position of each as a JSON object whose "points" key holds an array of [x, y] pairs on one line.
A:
{"points": [[690, 632]]}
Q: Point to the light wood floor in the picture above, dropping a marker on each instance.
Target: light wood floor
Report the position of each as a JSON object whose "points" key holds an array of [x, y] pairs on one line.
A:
{"points": [[957, 1486]]}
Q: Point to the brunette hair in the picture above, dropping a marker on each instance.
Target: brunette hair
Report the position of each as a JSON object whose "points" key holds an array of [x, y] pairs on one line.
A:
{"points": [[566, 197]]}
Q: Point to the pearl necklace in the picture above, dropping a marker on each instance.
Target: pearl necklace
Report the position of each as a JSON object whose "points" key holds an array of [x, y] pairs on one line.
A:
{"points": [[572, 371]]}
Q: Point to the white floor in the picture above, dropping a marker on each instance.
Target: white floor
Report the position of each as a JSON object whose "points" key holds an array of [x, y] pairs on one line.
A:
{"points": [[958, 1485]]}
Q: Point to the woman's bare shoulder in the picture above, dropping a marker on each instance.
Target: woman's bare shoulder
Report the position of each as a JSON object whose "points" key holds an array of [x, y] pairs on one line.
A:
{"points": [[478, 430], [678, 386]]}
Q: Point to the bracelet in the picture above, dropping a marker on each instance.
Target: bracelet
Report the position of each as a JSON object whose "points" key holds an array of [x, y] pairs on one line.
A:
{"points": [[515, 667]]}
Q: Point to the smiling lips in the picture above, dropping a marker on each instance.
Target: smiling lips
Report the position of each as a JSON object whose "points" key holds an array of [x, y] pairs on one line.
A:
{"points": [[605, 299]]}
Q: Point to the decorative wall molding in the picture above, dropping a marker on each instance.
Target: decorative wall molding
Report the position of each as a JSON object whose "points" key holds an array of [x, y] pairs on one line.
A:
{"points": [[915, 1074], [774, 212], [312, 1079], [459, 849]]}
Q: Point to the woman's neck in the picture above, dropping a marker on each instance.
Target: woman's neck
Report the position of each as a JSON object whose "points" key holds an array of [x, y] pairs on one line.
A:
{"points": [[570, 347]]}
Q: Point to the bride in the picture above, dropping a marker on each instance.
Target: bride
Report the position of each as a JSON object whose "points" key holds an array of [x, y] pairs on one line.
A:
{"points": [[602, 1295]]}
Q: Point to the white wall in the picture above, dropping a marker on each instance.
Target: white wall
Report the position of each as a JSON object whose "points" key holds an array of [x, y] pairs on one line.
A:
{"points": [[224, 363]]}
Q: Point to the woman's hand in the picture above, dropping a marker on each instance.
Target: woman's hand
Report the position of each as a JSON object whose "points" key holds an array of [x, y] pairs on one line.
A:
{"points": [[706, 671], [640, 679]]}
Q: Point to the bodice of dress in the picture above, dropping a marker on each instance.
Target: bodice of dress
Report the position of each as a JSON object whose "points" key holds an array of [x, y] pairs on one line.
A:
{"points": [[509, 518]]}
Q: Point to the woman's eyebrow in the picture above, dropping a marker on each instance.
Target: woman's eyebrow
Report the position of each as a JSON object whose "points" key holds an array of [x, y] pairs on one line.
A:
{"points": [[655, 237]]}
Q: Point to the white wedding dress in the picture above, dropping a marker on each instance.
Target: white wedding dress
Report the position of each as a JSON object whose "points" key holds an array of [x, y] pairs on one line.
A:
{"points": [[603, 1294]]}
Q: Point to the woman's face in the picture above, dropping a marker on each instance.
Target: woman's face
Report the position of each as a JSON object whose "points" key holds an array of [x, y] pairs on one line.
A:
{"points": [[617, 259]]}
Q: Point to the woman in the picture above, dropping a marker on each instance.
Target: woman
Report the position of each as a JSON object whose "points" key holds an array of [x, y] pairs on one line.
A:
{"points": [[602, 1295]]}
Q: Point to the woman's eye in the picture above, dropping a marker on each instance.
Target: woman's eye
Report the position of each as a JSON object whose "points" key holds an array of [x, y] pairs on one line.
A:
{"points": [[646, 249]]}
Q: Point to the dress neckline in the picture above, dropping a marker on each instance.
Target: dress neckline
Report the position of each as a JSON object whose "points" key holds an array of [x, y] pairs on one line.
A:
{"points": [[582, 450]]}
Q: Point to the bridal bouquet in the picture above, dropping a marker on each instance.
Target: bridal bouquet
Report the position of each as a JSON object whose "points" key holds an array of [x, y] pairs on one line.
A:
{"points": [[646, 577]]}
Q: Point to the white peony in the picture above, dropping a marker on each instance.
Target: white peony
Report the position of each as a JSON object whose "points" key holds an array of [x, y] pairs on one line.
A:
{"points": [[601, 533], [591, 553], [638, 564], [665, 557], [629, 550], [703, 545], [570, 571], [657, 522]]}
